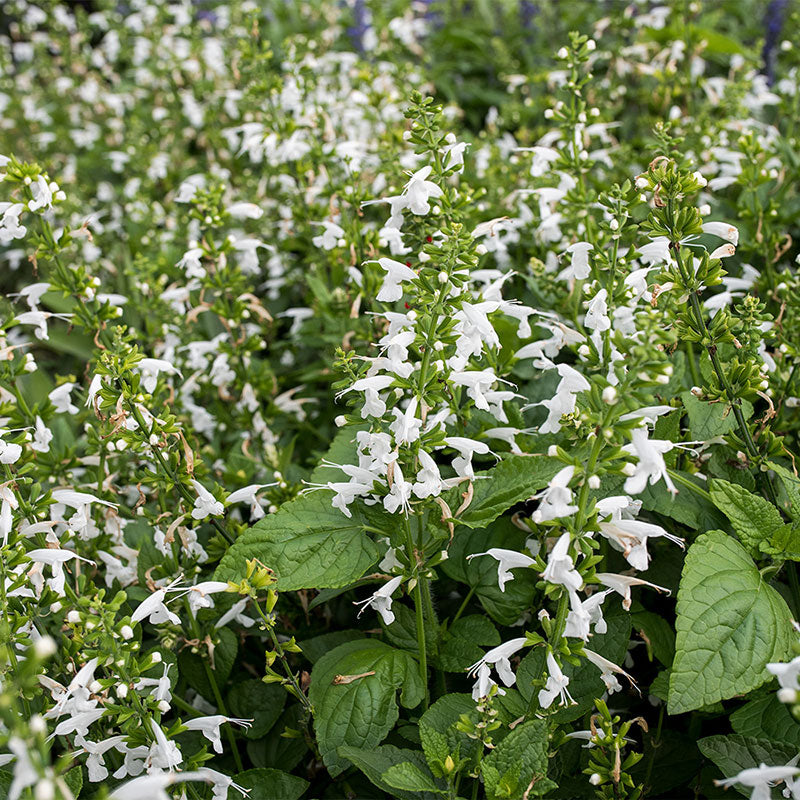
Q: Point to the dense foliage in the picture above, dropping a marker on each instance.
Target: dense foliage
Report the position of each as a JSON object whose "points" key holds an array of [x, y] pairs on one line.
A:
{"points": [[399, 400]]}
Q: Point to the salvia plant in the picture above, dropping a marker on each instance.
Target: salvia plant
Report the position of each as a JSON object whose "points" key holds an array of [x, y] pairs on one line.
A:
{"points": [[399, 400]]}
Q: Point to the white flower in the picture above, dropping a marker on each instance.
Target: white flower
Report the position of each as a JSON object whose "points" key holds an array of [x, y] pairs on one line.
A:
{"points": [[722, 230], [236, 614], [396, 273], [153, 786], [418, 190], [556, 499], [330, 236], [651, 466], [39, 319], [210, 727], [381, 600], [41, 438], [579, 268], [560, 567], [543, 157], [630, 536], [507, 560], [622, 585], [406, 425], [786, 674], [760, 779], [55, 559], [199, 595], [9, 453], [556, 685], [462, 464], [656, 252], [206, 504], [247, 494], [399, 493], [723, 251], [154, 608], [429, 479], [584, 614], [95, 764], [499, 658], [60, 398], [608, 671], [149, 369], [245, 211]]}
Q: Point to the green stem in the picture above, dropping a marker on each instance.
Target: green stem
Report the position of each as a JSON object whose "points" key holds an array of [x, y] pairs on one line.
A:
{"points": [[463, 605], [211, 678], [794, 587], [170, 474], [419, 605], [691, 485], [291, 677]]}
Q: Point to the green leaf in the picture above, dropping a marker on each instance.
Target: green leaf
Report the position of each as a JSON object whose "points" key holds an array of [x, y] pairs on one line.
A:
{"points": [[360, 711], [481, 573], [754, 519], [341, 451], [314, 649], [658, 635], [518, 765], [259, 701], [191, 664], [439, 735], [271, 784], [308, 543], [734, 753], [707, 420], [410, 778], [767, 718], [791, 485], [464, 642], [730, 625], [376, 761], [687, 507], [513, 480]]}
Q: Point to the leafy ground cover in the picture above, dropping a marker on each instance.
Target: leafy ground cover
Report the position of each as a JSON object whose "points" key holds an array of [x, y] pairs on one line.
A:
{"points": [[399, 400]]}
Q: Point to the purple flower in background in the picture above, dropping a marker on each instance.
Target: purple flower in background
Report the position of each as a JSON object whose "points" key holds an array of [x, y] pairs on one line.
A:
{"points": [[361, 25], [527, 11], [773, 23]]}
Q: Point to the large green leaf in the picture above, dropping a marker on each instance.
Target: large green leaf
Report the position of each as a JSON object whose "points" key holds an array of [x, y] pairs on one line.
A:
{"points": [[730, 625], [375, 762], [259, 701], [463, 643], [271, 784], [755, 520], [517, 767], [734, 753], [514, 479], [410, 777], [360, 711], [707, 420], [767, 718], [308, 543]]}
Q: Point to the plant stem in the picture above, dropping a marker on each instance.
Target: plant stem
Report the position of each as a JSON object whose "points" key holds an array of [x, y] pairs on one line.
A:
{"points": [[420, 613], [463, 605], [211, 678], [291, 677], [171, 475]]}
